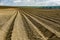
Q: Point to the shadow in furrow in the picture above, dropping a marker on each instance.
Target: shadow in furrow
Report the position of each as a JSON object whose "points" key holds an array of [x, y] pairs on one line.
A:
{"points": [[30, 33], [9, 33], [47, 18], [45, 31], [56, 27]]}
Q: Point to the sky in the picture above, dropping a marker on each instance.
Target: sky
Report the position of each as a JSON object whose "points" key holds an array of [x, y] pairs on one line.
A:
{"points": [[30, 2]]}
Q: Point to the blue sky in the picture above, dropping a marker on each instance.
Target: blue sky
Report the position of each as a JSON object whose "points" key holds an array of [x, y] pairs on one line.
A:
{"points": [[30, 2]]}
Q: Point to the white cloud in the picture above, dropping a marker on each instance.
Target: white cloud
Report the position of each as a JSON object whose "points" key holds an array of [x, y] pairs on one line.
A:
{"points": [[25, 1], [57, 2], [1, 3], [28, 0], [32, 2], [16, 1], [48, 3]]}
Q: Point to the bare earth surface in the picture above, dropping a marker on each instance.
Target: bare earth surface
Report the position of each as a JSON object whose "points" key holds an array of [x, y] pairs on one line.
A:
{"points": [[29, 24]]}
